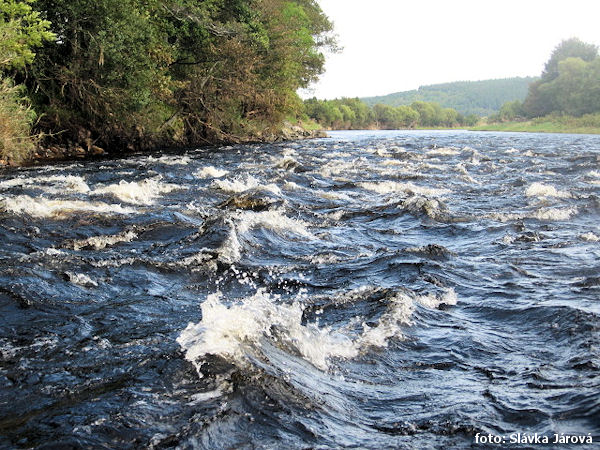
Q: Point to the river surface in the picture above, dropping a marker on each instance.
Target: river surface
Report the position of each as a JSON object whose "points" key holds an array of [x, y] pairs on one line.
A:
{"points": [[367, 290]]}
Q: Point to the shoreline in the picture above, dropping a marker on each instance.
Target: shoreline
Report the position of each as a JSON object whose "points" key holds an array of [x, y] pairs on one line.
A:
{"points": [[55, 154]]}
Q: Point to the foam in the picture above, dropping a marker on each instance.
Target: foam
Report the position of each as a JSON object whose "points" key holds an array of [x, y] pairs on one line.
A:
{"points": [[171, 160], [81, 279], [239, 184], [590, 237], [550, 214], [443, 151], [210, 172], [42, 207], [101, 242], [232, 331], [242, 222], [143, 192], [555, 213], [274, 220], [541, 190], [51, 184], [388, 187], [240, 331]]}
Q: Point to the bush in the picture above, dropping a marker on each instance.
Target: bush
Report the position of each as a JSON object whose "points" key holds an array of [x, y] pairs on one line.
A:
{"points": [[16, 117]]}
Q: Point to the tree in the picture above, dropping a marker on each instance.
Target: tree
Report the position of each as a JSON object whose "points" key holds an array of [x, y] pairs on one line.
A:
{"points": [[21, 31], [568, 48], [568, 82]]}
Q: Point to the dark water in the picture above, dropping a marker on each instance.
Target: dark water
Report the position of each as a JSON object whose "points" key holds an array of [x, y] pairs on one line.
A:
{"points": [[372, 290]]}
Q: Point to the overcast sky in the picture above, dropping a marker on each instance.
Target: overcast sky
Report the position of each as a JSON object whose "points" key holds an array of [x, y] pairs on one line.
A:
{"points": [[399, 45]]}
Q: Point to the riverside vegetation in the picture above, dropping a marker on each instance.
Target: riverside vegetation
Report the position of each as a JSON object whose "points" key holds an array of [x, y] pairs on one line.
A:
{"points": [[566, 98], [108, 75]]}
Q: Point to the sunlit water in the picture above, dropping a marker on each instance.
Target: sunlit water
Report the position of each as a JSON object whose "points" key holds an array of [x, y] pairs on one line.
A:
{"points": [[372, 289]]}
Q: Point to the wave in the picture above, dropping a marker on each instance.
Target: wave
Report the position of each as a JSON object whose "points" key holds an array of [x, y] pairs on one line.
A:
{"points": [[238, 330], [550, 214], [389, 187], [53, 184], [210, 172], [242, 184], [545, 190], [143, 192], [101, 242], [41, 207]]}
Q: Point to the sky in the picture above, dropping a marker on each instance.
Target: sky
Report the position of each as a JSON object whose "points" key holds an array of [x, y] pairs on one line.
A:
{"points": [[399, 45]]}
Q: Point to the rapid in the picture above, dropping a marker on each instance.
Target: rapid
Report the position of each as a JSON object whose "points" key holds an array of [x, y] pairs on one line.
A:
{"points": [[373, 289]]}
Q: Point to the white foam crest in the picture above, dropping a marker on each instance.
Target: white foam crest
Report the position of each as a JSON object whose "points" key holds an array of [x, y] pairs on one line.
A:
{"points": [[555, 213], [81, 279], [210, 172], [274, 220], [291, 186], [143, 192], [430, 206], [388, 187], [460, 168], [389, 324], [443, 151], [241, 222], [432, 301], [337, 167], [230, 250], [100, 242], [590, 237], [50, 184], [288, 162], [239, 184], [545, 190], [594, 173], [393, 162], [242, 329], [42, 207], [549, 214], [232, 331], [332, 195], [171, 160]]}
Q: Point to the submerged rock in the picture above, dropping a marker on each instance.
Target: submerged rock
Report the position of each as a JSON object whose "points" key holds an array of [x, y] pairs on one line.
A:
{"points": [[256, 200]]}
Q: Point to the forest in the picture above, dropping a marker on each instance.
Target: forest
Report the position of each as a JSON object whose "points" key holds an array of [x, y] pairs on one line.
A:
{"points": [[482, 98], [100, 76], [354, 114]]}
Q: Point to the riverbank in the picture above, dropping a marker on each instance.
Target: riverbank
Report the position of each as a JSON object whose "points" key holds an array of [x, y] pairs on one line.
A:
{"points": [[588, 124], [56, 153]]}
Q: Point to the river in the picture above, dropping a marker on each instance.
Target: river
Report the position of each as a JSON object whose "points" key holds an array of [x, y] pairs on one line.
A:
{"points": [[378, 289]]}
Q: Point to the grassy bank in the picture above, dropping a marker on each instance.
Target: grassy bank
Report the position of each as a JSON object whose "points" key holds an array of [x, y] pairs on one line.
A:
{"points": [[588, 124]]}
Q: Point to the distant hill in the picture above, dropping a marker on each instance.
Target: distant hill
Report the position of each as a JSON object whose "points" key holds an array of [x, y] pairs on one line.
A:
{"points": [[482, 98]]}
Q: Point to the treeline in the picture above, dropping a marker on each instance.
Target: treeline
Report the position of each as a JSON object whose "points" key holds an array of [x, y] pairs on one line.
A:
{"points": [[133, 74], [483, 98], [569, 85], [352, 113]]}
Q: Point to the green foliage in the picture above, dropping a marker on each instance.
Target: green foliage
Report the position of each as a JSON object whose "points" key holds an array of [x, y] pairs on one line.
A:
{"points": [[481, 98], [348, 113], [16, 117], [570, 83], [509, 111], [141, 73], [21, 30], [553, 123], [569, 48]]}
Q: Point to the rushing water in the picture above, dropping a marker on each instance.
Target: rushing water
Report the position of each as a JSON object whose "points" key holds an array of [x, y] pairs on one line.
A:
{"points": [[372, 289]]}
